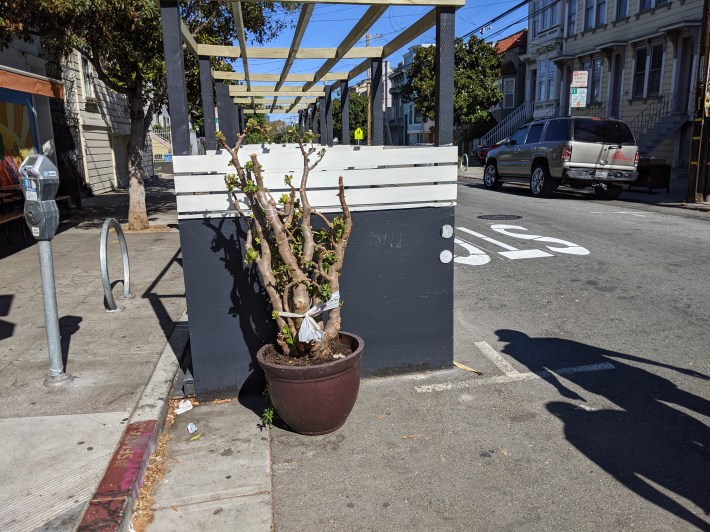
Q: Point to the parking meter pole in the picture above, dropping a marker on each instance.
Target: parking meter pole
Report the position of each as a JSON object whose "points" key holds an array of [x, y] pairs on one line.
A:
{"points": [[51, 319]]}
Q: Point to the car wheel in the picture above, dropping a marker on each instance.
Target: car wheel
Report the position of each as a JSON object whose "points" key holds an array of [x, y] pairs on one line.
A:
{"points": [[607, 192], [541, 184], [491, 179]]}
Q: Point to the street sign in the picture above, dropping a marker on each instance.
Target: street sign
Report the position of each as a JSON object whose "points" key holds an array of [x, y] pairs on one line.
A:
{"points": [[580, 78], [578, 97], [359, 135]]}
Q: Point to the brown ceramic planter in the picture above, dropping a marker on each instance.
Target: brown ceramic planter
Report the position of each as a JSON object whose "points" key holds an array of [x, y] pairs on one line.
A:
{"points": [[315, 399]]}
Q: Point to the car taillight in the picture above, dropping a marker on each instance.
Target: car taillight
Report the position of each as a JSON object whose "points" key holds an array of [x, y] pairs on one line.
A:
{"points": [[566, 154], [636, 159]]}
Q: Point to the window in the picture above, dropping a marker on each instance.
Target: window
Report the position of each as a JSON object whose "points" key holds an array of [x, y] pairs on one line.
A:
{"points": [[542, 81], [588, 14], [602, 131], [648, 71], [587, 65], [88, 82], [557, 130], [535, 133], [545, 15], [519, 136], [571, 17], [645, 4], [639, 73], [596, 92], [509, 93], [622, 9], [551, 75], [601, 12], [654, 72]]}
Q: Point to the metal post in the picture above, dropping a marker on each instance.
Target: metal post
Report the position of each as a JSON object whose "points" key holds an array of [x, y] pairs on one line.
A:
{"points": [[207, 93], [329, 115], [376, 103], [175, 77], [699, 177], [226, 125], [444, 68], [314, 122], [51, 320], [323, 126], [345, 108]]}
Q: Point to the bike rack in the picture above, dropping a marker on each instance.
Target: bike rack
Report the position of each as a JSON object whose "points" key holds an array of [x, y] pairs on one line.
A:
{"points": [[103, 252]]}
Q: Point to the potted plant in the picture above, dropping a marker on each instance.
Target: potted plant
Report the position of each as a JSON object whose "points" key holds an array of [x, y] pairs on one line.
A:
{"points": [[313, 369]]}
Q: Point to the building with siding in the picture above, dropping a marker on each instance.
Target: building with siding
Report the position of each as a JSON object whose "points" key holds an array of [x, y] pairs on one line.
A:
{"points": [[512, 73], [641, 58]]}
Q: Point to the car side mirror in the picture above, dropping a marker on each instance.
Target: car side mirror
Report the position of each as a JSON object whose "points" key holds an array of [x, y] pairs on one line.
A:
{"points": [[511, 142]]}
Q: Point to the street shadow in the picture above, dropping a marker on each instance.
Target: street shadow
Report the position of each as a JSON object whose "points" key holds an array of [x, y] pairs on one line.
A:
{"points": [[6, 328], [647, 444], [68, 326]]}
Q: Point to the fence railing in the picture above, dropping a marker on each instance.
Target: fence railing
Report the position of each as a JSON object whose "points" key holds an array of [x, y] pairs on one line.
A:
{"points": [[162, 132], [650, 115], [509, 124]]}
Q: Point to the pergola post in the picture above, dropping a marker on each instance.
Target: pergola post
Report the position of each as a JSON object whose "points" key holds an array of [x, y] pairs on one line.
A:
{"points": [[444, 68], [234, 117], [175, 77], [323, 126], [224, 102], [300, 123], [376, 103], [345, 108], [240, 119], [314, 122], [207, 93], [329, 114]]}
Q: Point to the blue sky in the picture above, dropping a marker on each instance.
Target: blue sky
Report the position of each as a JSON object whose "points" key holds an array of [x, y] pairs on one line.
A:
{"points": [[330, 23]]}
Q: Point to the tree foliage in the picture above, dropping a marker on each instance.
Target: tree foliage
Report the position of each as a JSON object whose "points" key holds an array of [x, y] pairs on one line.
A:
{"points": [[357, 111], [122, 39], [477, 67]]}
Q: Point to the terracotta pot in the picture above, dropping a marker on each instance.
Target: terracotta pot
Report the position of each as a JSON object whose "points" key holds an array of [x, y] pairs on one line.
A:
{"points": [[315, 399]]}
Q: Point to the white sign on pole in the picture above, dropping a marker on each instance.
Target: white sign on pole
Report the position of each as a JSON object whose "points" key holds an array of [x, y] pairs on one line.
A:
{"points": [[580, 78], [578, 98]]}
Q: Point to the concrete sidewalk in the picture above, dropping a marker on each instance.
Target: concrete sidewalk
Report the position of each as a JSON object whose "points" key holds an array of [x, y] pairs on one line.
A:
{"points": [[56, 443]]}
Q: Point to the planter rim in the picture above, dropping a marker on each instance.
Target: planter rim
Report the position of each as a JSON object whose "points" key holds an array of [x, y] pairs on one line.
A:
{"points": [[360, 342]]}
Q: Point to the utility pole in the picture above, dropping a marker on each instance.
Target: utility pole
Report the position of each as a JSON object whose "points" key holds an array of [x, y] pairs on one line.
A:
{"points": [[699, 171]]}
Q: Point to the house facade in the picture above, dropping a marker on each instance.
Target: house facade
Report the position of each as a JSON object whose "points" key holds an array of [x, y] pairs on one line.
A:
{"points": [[404, 121], [512, 73], [640, 57]]}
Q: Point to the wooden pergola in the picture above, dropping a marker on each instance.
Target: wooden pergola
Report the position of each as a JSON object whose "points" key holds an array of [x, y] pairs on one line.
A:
{"points": [[302, 93]]}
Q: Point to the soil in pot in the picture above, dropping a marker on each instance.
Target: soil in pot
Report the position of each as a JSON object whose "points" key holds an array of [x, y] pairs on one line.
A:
{"points": [[339, 347]]}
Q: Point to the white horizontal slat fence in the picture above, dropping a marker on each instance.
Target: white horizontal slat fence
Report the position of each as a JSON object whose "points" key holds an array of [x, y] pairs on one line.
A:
{"points": [[375, 177]]}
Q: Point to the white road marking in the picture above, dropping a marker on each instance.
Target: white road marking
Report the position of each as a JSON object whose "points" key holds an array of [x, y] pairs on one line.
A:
{"points": [[503, 379], [525, 254], [632, 213], [495, 357], [487, 239], [476, 257]]}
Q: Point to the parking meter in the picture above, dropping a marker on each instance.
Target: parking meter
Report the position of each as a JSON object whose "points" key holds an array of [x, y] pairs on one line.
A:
{"points": [[40, 181]]}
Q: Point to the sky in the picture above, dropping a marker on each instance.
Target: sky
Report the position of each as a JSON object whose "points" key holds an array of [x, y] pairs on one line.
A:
{"points": [[330, 23]]}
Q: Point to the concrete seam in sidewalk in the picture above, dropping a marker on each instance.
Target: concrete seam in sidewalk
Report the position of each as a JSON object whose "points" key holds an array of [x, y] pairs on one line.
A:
{"points": [[111, 506]]}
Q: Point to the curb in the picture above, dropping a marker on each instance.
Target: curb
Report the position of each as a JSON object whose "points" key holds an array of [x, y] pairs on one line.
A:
{"points": [[111, 506]]}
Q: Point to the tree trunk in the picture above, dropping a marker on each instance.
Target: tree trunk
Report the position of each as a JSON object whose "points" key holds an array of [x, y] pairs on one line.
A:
{"points": [[137, 211]]}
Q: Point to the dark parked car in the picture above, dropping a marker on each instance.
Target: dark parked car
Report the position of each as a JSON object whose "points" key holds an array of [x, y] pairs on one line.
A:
{"points": [[576, 151], [481, 152]]}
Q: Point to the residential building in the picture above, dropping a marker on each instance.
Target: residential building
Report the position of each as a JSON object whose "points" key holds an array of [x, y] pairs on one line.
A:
{"points": [[640, 57], [403, 120], [512, 73], [83, 127]]}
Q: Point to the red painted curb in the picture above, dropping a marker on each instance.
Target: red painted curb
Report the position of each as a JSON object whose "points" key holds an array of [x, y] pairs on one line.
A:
{"points": [[123, 479]]}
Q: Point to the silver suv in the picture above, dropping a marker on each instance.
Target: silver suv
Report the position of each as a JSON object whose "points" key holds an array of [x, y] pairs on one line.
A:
{"points": [[576, 151]]}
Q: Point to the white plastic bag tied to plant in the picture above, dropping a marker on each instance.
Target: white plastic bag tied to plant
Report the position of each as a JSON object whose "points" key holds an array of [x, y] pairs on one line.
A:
{"points": [[309, 330]]}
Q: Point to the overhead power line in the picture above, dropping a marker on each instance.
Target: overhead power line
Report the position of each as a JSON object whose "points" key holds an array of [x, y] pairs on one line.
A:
{"points": [[496, 18]]}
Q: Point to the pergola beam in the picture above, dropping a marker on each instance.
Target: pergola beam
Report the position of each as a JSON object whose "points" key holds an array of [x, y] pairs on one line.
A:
{"points": [[303, 20], [282, 92], [408, 35], [218, 50], [457, 3], [239, 21], [299, 78]]}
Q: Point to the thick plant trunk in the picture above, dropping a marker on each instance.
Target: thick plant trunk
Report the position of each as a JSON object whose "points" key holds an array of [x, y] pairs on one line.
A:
{"points": [[137, 211]]}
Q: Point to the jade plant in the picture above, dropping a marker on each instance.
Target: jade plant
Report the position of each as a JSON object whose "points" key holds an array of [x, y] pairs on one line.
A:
{"points": [[297, 249]]}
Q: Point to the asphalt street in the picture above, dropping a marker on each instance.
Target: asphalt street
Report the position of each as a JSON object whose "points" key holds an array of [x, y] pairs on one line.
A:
{"points": [[589, 321]]}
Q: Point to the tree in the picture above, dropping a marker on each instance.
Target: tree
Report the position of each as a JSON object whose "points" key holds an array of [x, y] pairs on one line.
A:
{"points": [[357, 111], [477, 67], [123, 42]]}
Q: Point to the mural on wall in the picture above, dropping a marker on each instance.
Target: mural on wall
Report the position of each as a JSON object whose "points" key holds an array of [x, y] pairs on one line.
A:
{"points": [[18, 135]]}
